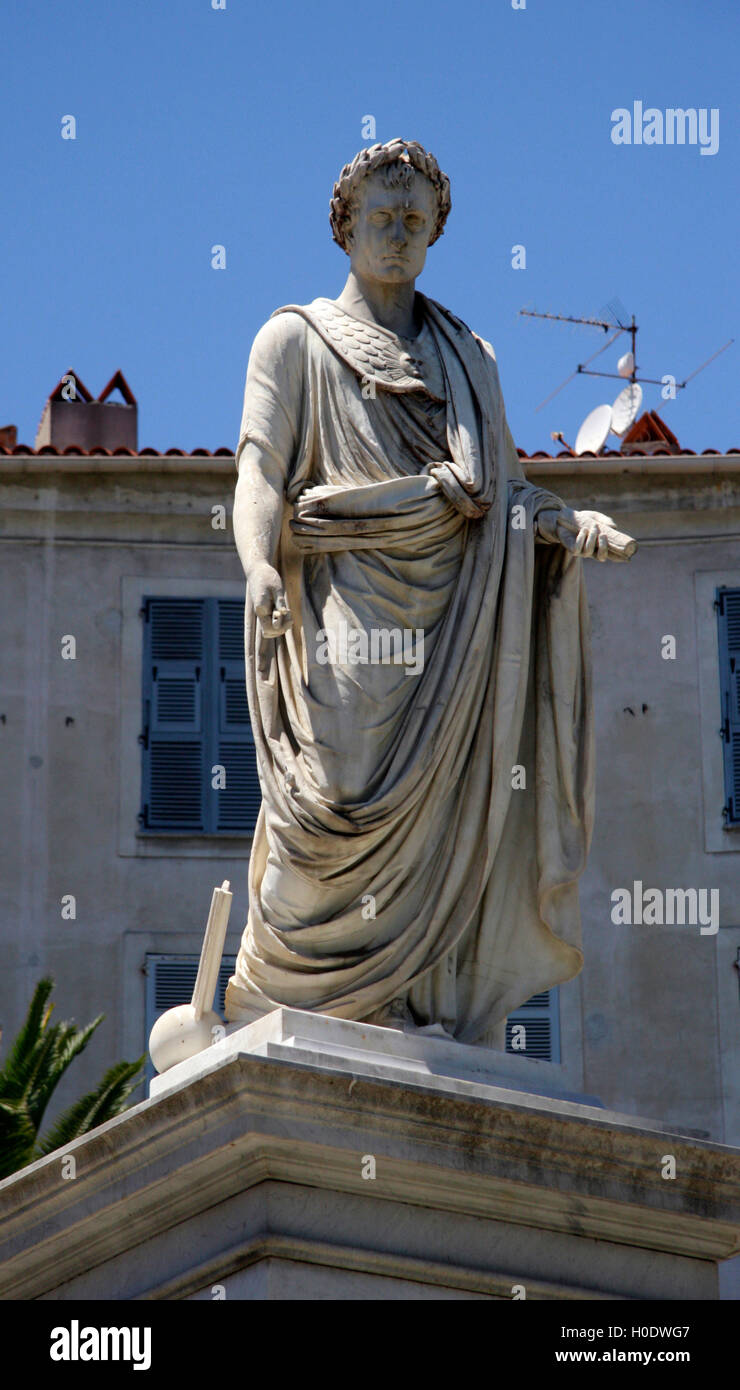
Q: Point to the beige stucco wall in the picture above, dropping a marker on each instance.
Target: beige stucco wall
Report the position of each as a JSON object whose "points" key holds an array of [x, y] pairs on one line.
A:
{"points": [[658, 1009]]}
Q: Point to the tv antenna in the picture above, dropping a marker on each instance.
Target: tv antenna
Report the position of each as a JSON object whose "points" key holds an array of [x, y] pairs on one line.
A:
{"points": [[618, 417]]}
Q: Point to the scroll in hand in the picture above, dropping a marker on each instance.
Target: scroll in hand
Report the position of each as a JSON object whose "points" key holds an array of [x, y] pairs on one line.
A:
{"points": [[586, 533]]}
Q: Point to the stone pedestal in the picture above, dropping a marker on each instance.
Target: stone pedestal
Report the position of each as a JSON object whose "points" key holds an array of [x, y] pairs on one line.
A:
{"points": [[321, 1041], [307, 1158]]}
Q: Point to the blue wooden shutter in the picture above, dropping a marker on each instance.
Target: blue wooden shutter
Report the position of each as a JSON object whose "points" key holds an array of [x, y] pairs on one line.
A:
{"points": [[728, 617], [173, 736], [238, 802], [540, 1017], [196, 718], [169, 981]]}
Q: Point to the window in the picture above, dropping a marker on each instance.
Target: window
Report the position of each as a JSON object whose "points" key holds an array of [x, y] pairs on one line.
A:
{"points": [[170, 981], [717, 593], [199, 769], [540, 1017], [727, 604]]}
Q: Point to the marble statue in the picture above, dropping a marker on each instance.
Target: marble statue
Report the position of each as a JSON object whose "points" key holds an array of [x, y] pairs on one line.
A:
{"points": [[417, 651]]}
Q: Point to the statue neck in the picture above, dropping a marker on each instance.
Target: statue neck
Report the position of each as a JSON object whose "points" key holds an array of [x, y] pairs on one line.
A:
{"points": [[392, 306]]}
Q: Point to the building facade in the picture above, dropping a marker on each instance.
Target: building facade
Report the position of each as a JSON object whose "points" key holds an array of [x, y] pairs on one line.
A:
{"points": [[122, 681]]}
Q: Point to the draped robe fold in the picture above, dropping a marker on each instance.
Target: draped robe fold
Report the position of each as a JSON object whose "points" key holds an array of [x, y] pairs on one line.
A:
{"points": [[397, 852]]}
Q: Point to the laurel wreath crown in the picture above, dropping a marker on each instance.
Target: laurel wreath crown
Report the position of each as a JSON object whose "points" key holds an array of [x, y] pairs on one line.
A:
{"points": [[410, 152]]}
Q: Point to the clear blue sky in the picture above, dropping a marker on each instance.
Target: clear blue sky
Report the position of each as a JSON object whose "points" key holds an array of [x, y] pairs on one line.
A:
{"points": [[198, 126]]}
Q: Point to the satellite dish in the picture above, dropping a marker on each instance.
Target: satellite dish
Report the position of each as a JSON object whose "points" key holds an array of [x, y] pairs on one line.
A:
{"points": [[626, 364], [591, 436], [625, 408]]}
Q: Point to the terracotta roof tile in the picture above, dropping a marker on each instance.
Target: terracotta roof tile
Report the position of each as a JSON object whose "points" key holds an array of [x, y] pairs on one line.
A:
{"points": [[539, 454], [81, 390], [118, 382], [650, 428]]}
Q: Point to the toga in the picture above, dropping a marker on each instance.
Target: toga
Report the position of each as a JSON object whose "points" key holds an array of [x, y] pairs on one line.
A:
{"points": [[423, 826]]}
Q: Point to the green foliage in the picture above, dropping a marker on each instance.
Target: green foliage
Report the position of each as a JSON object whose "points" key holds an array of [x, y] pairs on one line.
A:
{"points": [[36, 1063]]}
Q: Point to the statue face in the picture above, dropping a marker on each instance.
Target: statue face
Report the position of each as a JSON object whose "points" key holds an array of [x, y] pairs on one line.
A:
{"points": [[391, 230]]}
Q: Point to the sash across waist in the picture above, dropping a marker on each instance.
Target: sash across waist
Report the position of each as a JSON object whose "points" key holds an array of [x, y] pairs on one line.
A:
{"points": [[380, 516]]}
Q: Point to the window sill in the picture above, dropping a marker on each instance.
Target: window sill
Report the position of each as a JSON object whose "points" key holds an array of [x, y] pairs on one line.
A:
{"points": [[164, 844]]}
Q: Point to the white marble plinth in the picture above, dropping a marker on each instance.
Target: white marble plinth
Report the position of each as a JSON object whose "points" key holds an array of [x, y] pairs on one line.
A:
{"points": [[318, 1040]]}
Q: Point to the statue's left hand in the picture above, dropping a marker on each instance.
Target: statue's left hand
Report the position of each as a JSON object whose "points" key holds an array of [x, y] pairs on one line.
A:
{"points": [[585, 533]]}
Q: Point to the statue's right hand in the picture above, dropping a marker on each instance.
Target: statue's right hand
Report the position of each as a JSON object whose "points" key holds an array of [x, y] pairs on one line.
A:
{"points": [[270, 603]]}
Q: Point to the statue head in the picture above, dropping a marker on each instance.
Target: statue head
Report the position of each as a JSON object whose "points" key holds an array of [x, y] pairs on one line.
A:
{"points": [[388, 206]]}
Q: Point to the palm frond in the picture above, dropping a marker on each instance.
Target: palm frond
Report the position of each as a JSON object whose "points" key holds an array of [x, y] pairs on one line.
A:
{"points": [[17, 1136], [14, 1073], [107, 1100], [39, 1061], [36, 1063], [67, 1043]]}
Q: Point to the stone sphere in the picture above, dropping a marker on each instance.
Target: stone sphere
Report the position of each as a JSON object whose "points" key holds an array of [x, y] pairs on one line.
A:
{"points": [[177, 1035]]}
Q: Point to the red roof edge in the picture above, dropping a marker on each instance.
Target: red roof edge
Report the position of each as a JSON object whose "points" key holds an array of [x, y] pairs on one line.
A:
{"points": [[118, 382], [80, 387]]}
